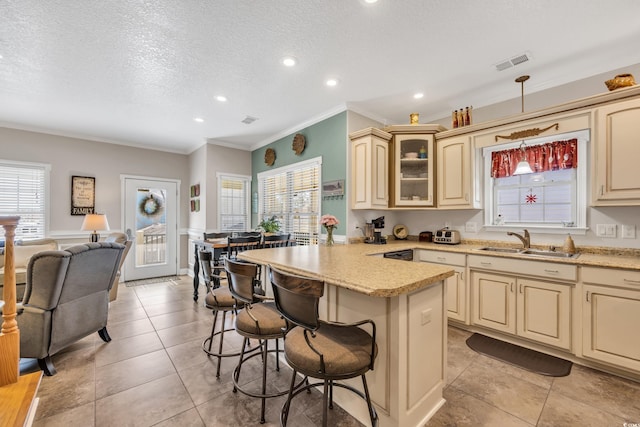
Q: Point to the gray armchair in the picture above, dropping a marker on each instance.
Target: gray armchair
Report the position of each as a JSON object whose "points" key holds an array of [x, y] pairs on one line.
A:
{"points": [[66, 298]]}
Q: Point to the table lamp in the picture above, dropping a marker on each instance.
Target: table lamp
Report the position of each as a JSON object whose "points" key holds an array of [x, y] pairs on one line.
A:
{"points": [[95, 222]]}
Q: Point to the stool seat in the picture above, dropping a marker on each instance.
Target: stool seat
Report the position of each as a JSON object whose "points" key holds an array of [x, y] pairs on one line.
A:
{"points": [[270, 321], [219, 298], [346, 350]]}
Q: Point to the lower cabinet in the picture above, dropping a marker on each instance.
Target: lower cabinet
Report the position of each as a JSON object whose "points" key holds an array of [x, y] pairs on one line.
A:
{"points": [[455, 285], [611, 316], [531, 308]]}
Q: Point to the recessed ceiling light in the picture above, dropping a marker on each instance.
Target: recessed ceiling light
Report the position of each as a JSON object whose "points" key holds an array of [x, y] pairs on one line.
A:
{"points": [[370, 1], [332, 82], [221, 98], [418, 95], [198, 119], [289, 61]]}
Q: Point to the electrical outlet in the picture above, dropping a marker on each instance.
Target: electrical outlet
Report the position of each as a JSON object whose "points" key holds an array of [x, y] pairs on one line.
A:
{"points": [[426, 316], [628, 231], [471, 227]]}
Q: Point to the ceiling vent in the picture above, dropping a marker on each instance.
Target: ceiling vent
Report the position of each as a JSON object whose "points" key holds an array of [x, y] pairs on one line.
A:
{"points": [[248, 120], [512, 62]]}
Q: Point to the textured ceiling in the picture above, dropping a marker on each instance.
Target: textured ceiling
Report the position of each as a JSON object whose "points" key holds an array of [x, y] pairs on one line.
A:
{"points": [[137, 72]]}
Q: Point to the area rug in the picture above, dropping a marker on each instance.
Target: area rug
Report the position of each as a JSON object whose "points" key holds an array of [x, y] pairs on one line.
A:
{"points": [[151, 281], [525, 358]]}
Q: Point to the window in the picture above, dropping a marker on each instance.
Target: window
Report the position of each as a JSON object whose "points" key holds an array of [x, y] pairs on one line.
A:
{"points": [[292, 194], [233, 202], [552, 197], [23, 192]]}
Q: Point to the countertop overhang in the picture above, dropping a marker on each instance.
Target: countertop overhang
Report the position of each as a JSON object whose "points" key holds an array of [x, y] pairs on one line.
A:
{"points": [[353, 267]]}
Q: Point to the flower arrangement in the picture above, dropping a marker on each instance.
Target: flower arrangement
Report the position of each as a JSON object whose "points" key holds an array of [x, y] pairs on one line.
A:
{"points": [[329, 222]]}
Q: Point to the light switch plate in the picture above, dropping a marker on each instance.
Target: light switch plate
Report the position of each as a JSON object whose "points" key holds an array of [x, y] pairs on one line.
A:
{"points": [[606, 230]]}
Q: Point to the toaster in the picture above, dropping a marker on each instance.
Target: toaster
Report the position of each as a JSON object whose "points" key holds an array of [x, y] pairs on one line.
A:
{"points": [[446, 236]]}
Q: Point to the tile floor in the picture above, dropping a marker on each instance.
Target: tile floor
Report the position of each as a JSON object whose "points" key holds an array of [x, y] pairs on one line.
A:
{"points": [[154, 373]]}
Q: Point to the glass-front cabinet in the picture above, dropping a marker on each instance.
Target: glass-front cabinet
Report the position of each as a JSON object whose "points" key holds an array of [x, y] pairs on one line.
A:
{"points": [[412, 182]]}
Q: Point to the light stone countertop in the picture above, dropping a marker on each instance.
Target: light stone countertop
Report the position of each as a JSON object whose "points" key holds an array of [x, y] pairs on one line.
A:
{"points": [[350, 267], [589, 256]]}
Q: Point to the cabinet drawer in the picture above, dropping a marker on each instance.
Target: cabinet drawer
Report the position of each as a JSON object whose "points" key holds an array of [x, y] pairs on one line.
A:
{"points": [[448, 258], [525, 267], [611, 277]]}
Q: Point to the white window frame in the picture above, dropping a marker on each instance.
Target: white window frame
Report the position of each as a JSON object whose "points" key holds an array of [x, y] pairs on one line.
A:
{"points": [[221, 176], [46, 169], [316, 161], [581, 182]]}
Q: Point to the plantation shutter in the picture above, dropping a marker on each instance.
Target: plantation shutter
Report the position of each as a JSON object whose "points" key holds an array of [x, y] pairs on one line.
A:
{"points": [[292, 194], [22, 193]]}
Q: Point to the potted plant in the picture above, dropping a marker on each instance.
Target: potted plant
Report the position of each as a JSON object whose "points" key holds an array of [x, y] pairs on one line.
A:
{"points": [[270, 225]]}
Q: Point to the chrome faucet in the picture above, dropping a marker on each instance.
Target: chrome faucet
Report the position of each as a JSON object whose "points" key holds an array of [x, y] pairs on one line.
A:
{"points": [[526, 240]]}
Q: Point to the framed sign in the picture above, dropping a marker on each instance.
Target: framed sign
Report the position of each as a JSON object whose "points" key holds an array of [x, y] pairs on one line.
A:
{"points": [[83, 195]]}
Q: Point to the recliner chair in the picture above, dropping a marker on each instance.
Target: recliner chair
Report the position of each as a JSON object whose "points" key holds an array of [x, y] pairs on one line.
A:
{"points": [[66, 298]]}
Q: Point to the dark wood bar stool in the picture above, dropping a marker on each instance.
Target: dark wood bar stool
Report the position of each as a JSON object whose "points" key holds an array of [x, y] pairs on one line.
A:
{"points": [[328, 351], [258, 320], [220, 301]]}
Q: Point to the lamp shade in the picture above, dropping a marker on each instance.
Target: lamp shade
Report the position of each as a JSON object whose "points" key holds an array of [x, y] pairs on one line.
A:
{"points": [[522, 168], [95, 222]]}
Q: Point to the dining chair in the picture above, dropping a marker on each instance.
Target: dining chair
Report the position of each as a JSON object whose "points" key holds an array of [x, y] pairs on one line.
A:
{"points": [[329, 351], [276, 240]]}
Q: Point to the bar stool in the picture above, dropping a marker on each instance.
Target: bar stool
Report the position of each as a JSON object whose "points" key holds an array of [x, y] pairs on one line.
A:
{"points": [[259, 320], [218, 300], [320, 349]]}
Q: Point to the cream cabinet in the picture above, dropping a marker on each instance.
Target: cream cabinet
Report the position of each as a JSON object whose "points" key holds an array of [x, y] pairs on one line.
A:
{"points": [[611, 315], [456, 287], [455, 173], [529, 307], [370, 169], [412, 172], [616, 150]]}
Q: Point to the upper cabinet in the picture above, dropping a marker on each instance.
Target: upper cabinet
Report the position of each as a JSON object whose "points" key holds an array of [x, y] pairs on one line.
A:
{"points": [[370, 169], [616, 148], [412, 170], [455, 173]]}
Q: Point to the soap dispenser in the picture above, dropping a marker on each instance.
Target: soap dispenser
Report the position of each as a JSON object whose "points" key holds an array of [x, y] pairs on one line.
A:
{"points": [[569, 247]]}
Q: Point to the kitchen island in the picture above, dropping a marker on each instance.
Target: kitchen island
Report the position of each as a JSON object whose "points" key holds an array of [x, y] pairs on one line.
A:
{"points": [[404, 299]]}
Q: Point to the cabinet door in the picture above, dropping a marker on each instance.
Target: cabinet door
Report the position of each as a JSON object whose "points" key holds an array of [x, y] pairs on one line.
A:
{"points": [[456, 296], [413, 170], [609, 326], [544, 312], [616, 151], [369, 169], [494, 301], [455, 173]]}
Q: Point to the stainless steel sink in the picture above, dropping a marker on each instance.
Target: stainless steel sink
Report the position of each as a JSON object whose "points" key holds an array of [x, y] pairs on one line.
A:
{"points": [[553, 254], [529, 252], [501, 250]]}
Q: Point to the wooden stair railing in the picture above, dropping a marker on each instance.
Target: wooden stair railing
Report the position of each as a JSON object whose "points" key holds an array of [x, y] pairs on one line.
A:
{"points": [[9, 334]]}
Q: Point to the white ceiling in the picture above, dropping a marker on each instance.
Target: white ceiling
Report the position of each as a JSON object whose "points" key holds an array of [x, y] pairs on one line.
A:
{"points": [[138, 71]]}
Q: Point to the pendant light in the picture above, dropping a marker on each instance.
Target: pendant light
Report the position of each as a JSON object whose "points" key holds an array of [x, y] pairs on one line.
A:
{"points": [[523, 166]]}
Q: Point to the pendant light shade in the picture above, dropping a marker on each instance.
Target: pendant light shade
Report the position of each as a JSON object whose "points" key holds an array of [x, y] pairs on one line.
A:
{"points": [[523, 166]]}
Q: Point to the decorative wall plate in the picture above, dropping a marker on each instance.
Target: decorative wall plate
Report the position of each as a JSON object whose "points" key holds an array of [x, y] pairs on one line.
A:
{"points": [[400, 232], [270, 156], [298, 143]]}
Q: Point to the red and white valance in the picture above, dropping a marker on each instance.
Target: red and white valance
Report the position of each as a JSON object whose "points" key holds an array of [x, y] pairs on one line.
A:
{"points": [[544, 157]]}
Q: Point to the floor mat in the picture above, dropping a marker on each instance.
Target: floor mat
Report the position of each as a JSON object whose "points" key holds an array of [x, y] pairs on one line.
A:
{"points": [[152, 280], [525, 358]]}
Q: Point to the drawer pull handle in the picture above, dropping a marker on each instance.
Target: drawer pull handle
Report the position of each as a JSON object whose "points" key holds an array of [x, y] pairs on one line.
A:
{"points": [[511, 286], [632, 281], [520, 287], [587, 296], [485, 263], [551, 271], [441, 258]]}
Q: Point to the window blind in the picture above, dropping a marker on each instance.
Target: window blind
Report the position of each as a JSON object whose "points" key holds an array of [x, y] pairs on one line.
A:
{"points": [[292, 194], [233, 203], [22, 193]]}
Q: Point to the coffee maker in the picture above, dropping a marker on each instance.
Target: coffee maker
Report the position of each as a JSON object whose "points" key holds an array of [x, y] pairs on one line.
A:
{"points": [[378, 225]]}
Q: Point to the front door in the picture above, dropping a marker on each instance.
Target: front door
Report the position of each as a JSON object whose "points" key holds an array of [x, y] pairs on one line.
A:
{"points": [[151, 221]]}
